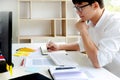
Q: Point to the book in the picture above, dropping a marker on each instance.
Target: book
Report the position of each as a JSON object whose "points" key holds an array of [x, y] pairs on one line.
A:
{"points": [[2, 58], [33, 76], [67, 73]]}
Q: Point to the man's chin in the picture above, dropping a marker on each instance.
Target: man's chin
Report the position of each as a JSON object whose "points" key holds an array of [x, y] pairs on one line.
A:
{"points": [[83, 20]]}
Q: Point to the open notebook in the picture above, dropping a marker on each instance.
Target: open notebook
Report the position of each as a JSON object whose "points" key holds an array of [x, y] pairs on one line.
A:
{"points": [[67, 73]]}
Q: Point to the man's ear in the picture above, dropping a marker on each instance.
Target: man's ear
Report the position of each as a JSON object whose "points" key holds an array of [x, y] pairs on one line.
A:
{"points": [[95, 5]]}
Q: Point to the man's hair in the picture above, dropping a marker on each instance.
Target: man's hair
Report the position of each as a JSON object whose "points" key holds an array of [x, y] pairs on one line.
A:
{"points": [[100, 2]]}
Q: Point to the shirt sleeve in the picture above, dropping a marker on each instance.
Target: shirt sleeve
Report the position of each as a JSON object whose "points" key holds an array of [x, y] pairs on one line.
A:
{"points": [[107, 50], [109, 46], [81, 46]]}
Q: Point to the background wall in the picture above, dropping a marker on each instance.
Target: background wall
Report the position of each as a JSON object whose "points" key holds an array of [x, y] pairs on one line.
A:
{"points": [[11, 5]]}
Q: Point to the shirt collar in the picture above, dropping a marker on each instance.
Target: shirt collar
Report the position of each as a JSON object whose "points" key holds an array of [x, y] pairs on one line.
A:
{"points": [[101, 20]]}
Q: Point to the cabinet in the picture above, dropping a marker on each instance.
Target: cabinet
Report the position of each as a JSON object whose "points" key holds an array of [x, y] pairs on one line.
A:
{"points": [[41, 20]]}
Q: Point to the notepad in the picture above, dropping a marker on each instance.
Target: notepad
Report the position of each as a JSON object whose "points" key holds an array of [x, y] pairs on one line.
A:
{"points": [[67, 74], [43, 50]]}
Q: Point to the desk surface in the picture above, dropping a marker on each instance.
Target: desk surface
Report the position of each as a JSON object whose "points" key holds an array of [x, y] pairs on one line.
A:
{"points": [[96, 74]]}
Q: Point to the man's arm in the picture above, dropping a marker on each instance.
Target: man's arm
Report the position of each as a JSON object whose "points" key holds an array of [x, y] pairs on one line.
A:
{"points": [[89, 45], [90, 48], [69, 47], [51, 46]]}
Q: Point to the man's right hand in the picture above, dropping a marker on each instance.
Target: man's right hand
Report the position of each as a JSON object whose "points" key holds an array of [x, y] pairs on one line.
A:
{"points": [[51, 46]]}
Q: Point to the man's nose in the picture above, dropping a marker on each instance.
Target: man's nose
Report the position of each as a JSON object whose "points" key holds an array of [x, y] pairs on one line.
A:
{"points": [[79, 13]]}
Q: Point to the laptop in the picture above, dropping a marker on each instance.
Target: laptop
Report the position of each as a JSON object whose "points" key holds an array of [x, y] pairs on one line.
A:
{"points": [[63, 59]]}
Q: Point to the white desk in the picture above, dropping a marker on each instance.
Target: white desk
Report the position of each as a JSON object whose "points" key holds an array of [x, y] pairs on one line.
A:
{"points": [[98, 74]]}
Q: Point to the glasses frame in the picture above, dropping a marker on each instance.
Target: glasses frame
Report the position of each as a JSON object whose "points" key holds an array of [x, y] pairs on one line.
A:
{"points": [[80, 8]]}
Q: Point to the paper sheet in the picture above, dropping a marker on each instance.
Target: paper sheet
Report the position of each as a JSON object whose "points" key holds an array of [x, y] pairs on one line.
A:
{"points": [[38, 62]]}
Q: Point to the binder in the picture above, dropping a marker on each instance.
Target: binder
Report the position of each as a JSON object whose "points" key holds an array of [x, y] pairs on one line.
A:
{"points": [[33, 76]]}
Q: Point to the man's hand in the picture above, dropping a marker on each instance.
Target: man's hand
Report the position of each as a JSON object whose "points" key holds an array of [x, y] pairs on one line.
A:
{"points": [[81, 25], [51, 46]]}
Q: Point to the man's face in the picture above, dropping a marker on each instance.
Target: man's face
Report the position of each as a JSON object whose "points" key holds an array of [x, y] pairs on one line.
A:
{"points": [[84, 10]]}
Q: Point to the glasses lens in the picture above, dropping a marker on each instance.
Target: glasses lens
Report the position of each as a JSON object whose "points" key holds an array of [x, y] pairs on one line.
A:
{"points": [[79, 8]]}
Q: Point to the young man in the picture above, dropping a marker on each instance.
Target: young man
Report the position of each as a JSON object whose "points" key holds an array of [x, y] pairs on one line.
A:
{"points": [[100, 36]]}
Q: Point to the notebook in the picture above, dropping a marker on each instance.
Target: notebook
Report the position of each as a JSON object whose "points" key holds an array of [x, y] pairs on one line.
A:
{"points": [[63, 58], [44, 51], [67, 73], [33, 76]]}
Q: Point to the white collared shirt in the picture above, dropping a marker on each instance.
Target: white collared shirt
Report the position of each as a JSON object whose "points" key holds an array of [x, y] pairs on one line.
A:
{"points": [[106, 35]]}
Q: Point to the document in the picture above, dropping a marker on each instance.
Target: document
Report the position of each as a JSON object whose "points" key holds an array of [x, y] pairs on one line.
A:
{"points": [[38, 62], [34, 64], [67, 73]]}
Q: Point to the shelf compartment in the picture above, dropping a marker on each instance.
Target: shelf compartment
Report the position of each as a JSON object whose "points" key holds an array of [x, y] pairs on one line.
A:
{"points": [[37, 27], [45, 9], [25, 10], [71, 29], [25, 41], [60, 28], [70, 10], [46, 39], [63, 9]]}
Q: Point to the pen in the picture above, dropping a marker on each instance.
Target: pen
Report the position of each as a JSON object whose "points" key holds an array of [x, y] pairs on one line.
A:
{"points": [[22, 62], [61, 68], [48, 42], [41, 50]]}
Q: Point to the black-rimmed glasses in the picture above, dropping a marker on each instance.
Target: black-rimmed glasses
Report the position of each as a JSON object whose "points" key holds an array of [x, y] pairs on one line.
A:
{"points": [[79, 8]]}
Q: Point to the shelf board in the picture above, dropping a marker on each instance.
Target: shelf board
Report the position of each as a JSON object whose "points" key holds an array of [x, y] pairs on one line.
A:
{"points": [[44, 0], [35, 35], [60, 36], [72, 36], [38, 36], [25, 19], [24, 0]]}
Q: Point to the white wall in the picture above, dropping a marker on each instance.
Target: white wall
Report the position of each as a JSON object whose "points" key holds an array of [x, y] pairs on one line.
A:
{"points": [[11, 5]]}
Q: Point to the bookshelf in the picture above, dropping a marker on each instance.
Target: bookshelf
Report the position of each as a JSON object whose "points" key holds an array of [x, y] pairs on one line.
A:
{"points": [[41, 20]]}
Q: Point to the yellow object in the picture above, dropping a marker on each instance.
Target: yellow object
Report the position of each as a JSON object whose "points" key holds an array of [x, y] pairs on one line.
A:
{"points": [[9, 68], [24, 51]]}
